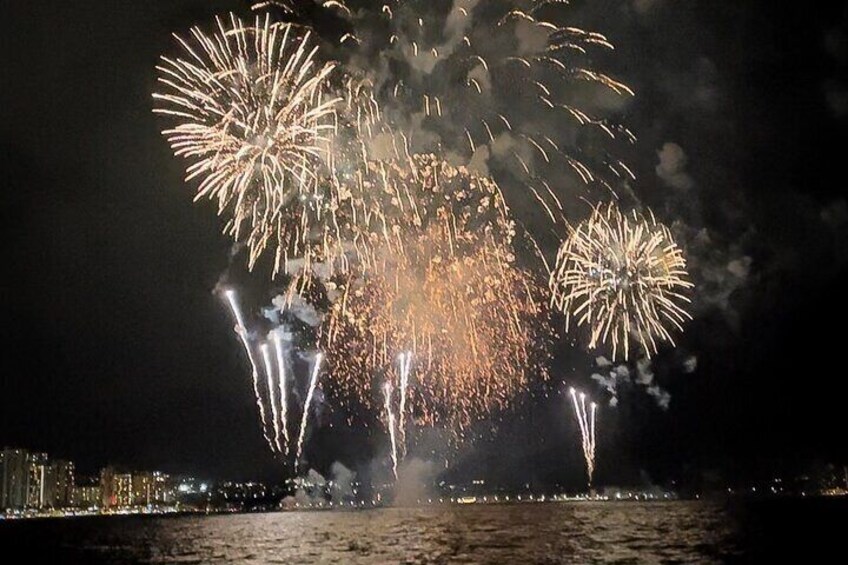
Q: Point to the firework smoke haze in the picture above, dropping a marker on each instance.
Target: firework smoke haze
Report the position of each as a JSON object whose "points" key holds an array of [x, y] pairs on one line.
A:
{"points": [[505, 86], [252, 117], [624, 277]]}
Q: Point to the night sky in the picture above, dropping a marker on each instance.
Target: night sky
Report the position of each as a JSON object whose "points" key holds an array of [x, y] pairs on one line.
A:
{"points": [[115, 349]]}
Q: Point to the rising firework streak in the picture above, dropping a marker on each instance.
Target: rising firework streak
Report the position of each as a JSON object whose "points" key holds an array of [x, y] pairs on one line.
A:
{"points": [[272, 393], [405, 363], [587, 430], [306, 405], [391, 424], [241, 331], [283, 386]]}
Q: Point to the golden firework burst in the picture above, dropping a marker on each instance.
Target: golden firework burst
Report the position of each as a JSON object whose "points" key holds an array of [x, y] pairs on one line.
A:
{"points": [[624, 277]]}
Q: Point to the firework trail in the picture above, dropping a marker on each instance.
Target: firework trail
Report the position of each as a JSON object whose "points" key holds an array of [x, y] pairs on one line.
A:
{"points": [[232, 300], [592, 433], [281, 364], [622, 276], [253, 119], [587, 430], [390, 423], [404, 362], [498, 82], [242, 333], [272, 395], [306, 404]]}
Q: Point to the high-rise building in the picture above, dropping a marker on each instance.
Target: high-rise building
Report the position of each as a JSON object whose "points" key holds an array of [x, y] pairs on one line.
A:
{"points": [[14, 474], [149, 489], [142, 487], [107, 488], [116, 489], [63, 483], [31, 480], [123, 490], [163, 493], [39, 475], [88, 496]]}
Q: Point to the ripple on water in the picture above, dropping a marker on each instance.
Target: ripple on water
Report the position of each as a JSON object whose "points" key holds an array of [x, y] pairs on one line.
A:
{"points": [[529, 533]]}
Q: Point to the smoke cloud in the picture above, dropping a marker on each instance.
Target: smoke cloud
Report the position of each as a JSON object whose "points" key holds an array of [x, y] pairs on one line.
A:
{"points": [[672, 167], [640, 374], [300, 308], [314, 488], [416, 481], [645, 6]]}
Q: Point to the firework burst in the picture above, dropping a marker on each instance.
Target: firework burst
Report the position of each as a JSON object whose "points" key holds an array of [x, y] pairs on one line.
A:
{"points": [[436, 277], [252, 117], [624, 277]]}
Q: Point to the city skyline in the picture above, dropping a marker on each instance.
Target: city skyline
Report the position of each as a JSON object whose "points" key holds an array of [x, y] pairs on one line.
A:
{"points": [[31, 480]]}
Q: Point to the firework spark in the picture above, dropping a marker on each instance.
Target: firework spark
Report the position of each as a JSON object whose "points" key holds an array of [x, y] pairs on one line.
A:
{"points": [[306, 405], [252, 117], [587, 430], [622, 276]]}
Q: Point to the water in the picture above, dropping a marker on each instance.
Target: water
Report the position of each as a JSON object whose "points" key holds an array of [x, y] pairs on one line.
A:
{"points": [[579, 532]]}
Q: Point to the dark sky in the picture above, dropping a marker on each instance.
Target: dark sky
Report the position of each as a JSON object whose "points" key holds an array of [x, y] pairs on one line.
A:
{"points": [[116, 350]]}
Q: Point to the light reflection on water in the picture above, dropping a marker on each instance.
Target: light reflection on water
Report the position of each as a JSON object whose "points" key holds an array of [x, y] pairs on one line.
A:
{"points": [[523, 533]]}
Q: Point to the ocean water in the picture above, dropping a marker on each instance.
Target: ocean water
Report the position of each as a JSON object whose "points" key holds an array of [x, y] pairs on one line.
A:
{"points": [[574, 532]]}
